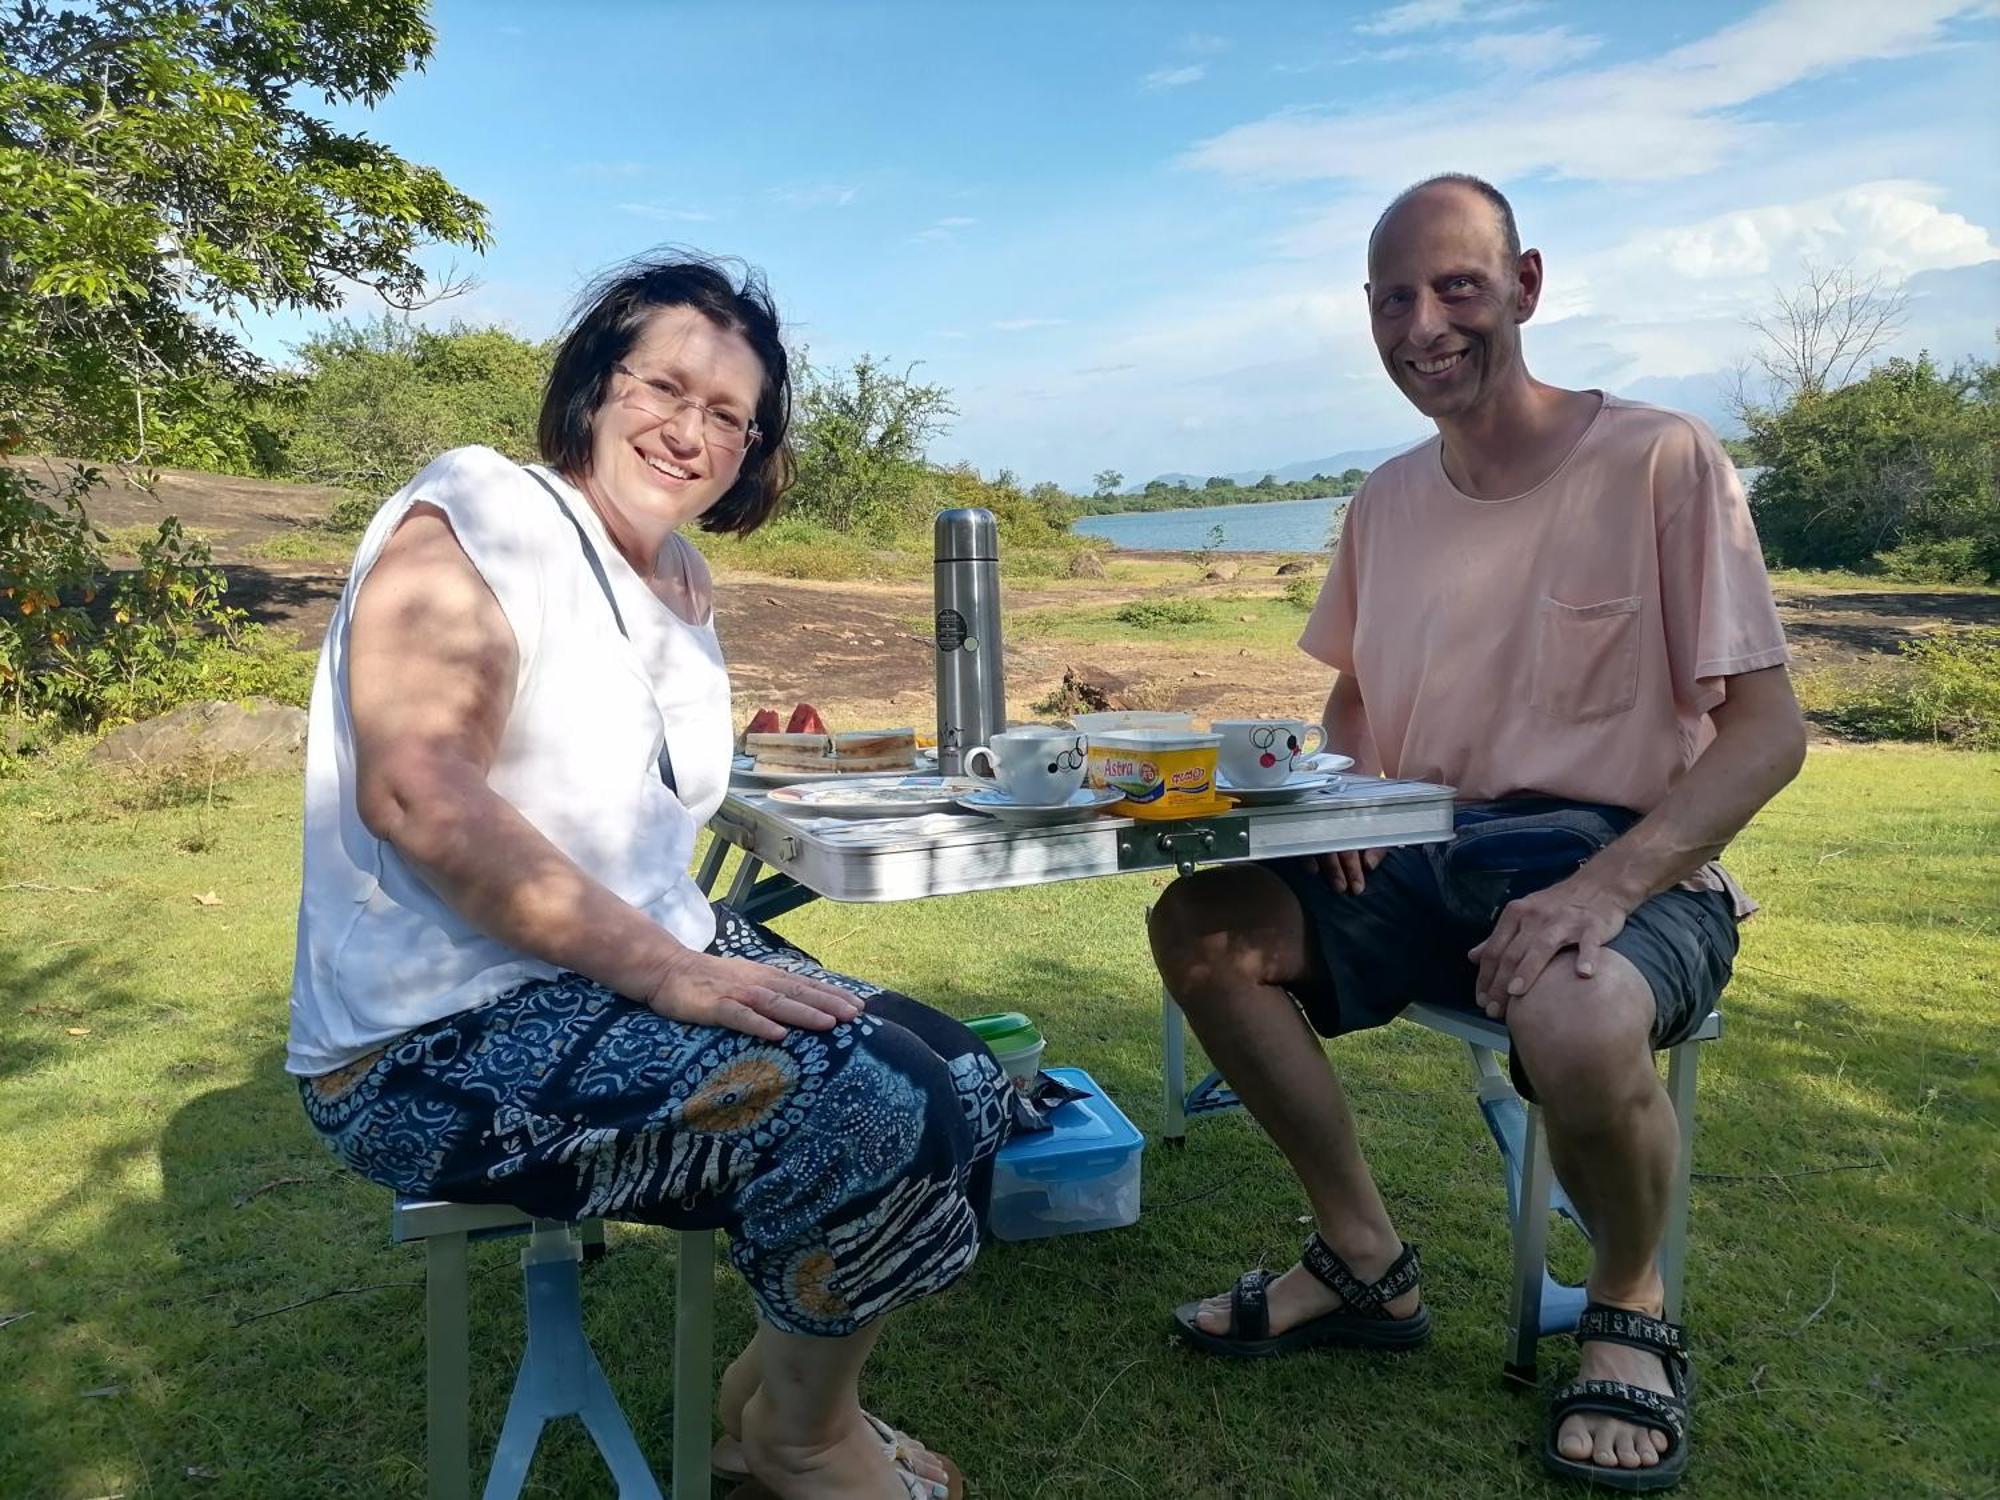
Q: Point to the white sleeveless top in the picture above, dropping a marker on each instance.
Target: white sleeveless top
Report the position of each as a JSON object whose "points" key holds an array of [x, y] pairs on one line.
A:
{"points": [[378, 952]]}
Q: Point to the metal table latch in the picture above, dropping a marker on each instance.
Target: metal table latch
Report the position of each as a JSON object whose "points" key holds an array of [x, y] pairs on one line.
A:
{"points": [[1184, 845]]}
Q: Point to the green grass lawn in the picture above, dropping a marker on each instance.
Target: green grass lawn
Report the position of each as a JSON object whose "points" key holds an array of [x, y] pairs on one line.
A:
{"points": [[1235, 619], [195, 1300]]}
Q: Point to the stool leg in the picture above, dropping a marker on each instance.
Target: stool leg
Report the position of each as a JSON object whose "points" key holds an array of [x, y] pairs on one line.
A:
{"points": [[447, 1359], [1173, 1067], [1673, 1252], [1531, 1245], [694, 1348]]}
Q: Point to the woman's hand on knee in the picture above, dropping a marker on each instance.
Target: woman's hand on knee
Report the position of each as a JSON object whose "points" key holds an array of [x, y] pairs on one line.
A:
{"points": [[704, 989]]}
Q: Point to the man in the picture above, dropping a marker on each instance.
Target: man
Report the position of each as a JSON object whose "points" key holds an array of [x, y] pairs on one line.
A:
{"points": [[1558, 606]]}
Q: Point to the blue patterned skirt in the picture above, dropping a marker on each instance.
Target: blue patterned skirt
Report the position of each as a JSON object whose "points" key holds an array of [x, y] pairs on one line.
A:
{"points": [[849, 1167]]}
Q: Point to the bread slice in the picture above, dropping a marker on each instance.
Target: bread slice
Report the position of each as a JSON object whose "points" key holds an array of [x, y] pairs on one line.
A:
{"points": [[875, 750], [856, 750], [790, 752]]}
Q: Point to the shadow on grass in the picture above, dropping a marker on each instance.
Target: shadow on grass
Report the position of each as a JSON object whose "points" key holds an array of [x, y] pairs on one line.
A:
{"points": [[37, 1021], [241, 1327]]}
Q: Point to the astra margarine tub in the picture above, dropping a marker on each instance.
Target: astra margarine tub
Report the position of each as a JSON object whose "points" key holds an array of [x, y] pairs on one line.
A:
{"points": [[1162, 768]]}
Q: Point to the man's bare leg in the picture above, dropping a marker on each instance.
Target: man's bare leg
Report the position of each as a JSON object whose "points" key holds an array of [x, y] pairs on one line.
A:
{"points": [[1587, 1047], [1227, 942]]}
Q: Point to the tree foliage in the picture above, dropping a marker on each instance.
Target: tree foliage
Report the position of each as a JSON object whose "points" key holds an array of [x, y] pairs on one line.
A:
{"points": [[372, 403], [159, 171], [1218, 490], [1908, 457], [860, 435]]}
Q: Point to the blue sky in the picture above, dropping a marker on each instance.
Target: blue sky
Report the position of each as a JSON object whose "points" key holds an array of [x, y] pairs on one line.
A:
{"points": [[1131, 236]]}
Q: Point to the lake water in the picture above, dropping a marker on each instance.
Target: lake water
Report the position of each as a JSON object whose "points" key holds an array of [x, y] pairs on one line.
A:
{"points": [[1267, 526]]}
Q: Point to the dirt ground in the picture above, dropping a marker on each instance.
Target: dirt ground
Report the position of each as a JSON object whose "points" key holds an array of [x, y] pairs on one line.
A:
{"points": [[860, 651]]}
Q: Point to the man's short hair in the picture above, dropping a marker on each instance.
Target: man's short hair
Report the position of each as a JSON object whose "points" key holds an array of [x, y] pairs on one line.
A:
{"points": [[1501, 207]]}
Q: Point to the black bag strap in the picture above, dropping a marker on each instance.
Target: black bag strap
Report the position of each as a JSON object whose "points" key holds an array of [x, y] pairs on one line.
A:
{"points": [[604, 583]]}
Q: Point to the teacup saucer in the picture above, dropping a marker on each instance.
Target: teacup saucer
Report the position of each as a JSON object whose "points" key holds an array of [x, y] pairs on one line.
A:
{"points": [[1292, 789], [1078, 804]]}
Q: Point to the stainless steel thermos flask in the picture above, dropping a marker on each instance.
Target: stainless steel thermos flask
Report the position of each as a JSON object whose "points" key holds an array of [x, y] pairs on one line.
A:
{"points": [[971, 680]]}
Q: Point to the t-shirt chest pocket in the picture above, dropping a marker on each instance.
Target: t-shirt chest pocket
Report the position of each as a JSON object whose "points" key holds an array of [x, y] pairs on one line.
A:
{"points": [[1586, 658]]}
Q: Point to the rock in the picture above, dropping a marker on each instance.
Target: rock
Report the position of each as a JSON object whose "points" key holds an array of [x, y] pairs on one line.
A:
{"points": [[1089, 689], [1223, 572], [1245, 619], [1086, 565], [255, 735], [1295, 567]]}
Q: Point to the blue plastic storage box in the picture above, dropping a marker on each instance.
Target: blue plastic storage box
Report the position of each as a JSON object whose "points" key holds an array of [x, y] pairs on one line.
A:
{"points": [[1081, 1174]]}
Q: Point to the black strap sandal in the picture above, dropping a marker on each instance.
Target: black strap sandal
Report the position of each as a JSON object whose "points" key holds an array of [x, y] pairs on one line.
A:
{"points": [[1362, 1321], [1601, 1323]]}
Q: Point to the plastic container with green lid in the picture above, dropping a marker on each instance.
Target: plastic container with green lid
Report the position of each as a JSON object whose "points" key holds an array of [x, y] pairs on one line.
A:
{"points": [[1016, 1042]]}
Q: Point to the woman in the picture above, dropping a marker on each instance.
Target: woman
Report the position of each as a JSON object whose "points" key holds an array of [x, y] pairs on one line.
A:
{"points": [[508, 988]]}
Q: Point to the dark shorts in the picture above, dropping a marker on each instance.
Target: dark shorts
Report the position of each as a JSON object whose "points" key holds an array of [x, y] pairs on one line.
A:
{"points": [[1398, 943]]}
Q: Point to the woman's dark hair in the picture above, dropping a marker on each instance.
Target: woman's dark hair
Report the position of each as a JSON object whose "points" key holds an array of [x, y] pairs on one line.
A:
{"points": [[610, 316]]}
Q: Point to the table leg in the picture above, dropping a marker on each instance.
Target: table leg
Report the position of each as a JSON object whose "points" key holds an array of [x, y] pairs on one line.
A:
{"points": [[745, 878], [711, 862], [1173, 1068]]}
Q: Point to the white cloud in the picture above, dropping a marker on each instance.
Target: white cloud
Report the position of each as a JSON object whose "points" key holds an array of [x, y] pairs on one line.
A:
{"points": [[1669, 302], [945, 229], [1676, 115], [1527, 51], [1174, 78], [816, 195], [1423, 15], [1203, 43], [666, 214], [1018, 325]]}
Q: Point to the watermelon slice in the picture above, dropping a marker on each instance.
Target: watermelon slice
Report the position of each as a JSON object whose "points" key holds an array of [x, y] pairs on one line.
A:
{"points": [[764, 721], [805, 720]]}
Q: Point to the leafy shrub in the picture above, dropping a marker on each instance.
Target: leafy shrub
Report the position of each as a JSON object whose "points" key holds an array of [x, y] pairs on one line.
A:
{"points": [[352, 512], [1956, 561], [1164, 614], [1945, 689], [84, 648], [376, 401], [1301, 592], [1909, 454]]}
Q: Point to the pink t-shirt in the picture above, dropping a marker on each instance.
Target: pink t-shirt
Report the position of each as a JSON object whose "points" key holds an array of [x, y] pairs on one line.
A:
{"points": [[1567, 642]]}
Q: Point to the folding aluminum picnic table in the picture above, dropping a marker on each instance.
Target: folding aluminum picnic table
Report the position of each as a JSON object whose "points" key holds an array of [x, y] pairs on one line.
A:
{"points": [[942, 854]]}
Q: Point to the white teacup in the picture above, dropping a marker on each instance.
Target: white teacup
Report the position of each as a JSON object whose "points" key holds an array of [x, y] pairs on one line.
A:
{"points": [[1034, 763], [1264, 752]]}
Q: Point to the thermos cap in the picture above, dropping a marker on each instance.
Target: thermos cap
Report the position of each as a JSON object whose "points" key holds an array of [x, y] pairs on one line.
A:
{"points": [[967, 534]]}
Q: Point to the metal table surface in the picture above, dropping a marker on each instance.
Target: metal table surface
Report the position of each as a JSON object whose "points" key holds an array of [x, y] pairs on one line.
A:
{"points": [[941, 854]]}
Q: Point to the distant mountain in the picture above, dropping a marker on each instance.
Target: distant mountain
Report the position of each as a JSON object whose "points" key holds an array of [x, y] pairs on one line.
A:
{"points": [[1354, 458]]}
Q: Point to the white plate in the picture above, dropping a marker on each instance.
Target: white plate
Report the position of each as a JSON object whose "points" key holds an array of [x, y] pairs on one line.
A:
{"points": [[874, 796], [1078, 804], [743, 772], [1292, 789]]}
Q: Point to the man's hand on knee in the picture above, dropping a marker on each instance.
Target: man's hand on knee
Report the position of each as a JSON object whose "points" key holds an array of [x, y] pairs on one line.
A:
{"points": [[1575, 913], [1347, 871]]}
